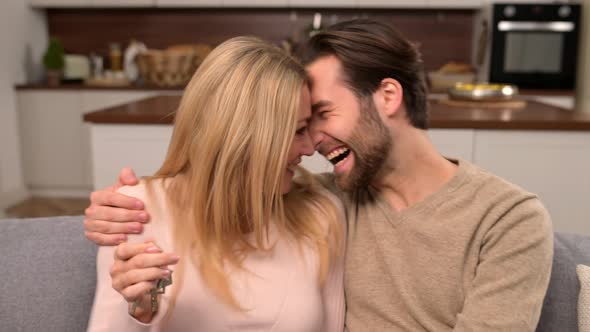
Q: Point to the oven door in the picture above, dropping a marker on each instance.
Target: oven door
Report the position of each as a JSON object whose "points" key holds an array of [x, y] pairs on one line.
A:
{"points": [[534, 54]]}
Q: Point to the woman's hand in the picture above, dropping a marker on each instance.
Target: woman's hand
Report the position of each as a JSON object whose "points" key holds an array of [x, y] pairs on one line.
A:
{"points": [[134, 273]]}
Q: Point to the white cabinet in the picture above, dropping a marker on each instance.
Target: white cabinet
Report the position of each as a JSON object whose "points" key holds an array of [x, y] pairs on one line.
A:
{"points": [[92, 3], [391, 3], [453, 143], [323, 3], [56, 141], [189, 3], [459, 4], [59, 3], [141, 147], [95, 100], [51, 128], [555, 165], [255, 3], [122, 3]]}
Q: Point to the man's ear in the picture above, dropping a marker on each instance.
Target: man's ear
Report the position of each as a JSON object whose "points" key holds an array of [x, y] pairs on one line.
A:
{"points": [[388, 97]]}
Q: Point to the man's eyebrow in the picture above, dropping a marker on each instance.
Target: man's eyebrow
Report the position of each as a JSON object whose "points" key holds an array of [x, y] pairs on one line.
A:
{"points": [[316, 106]]}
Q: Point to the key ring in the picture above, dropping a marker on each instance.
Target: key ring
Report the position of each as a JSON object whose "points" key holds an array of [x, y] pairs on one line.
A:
{"points": [[159, 288]]}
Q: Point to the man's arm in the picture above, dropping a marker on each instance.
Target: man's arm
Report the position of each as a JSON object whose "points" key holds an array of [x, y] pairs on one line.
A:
{"points": [[513, 273], [111, 215]]}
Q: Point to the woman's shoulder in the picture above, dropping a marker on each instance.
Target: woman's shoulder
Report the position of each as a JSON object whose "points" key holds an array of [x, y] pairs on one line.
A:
{"points": [[152, 193]]}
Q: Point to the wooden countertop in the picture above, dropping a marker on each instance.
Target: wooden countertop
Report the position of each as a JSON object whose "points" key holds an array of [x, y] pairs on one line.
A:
{"points": [[135, 87], [535, 116]]}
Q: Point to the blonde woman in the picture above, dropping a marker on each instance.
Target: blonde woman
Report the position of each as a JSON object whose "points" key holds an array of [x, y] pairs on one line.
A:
{"points": [[251, 249]]}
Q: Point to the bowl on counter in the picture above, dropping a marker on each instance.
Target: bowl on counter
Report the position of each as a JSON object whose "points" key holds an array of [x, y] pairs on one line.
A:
{"points": [[483, 92]]}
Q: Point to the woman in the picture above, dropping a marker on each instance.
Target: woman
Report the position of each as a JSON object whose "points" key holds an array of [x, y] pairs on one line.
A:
{"points": [[257, 250]]}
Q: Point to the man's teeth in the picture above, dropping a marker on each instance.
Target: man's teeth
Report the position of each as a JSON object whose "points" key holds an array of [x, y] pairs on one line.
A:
{"points": [[336, 153]]}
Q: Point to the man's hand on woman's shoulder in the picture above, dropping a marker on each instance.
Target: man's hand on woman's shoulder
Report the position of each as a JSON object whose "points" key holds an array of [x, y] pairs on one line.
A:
{"points": [[112, 215]]}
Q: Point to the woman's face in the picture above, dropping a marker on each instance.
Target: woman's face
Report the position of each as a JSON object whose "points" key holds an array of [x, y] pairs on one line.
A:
{"points": [[302, 144]]}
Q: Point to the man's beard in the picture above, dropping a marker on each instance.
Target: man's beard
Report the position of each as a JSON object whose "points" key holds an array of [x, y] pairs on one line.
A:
{"points": [[371, 143]]}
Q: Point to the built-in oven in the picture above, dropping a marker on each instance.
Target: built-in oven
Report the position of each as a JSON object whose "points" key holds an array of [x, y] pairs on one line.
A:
{"points": [[534, 45]]}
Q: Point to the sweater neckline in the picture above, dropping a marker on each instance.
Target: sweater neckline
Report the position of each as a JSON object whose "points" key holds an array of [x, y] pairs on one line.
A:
{"points": [[430, 202]]}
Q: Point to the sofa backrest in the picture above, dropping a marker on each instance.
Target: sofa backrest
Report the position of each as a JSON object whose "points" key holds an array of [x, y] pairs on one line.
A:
{"points": [[48, 275], [560, 310]]}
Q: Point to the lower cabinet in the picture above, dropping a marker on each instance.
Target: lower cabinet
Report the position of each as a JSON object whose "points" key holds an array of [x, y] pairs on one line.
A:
{"points": [[64, 156], [141, 147], [56, 141], [554, 165], [453, 143]]}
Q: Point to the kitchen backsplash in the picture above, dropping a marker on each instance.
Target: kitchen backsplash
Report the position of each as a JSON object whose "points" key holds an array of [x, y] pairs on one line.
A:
{"points": [[443, 36]]}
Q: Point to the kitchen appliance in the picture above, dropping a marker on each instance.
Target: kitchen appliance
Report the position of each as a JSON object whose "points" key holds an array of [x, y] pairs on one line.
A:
{"points": [[76, 68], [533, 46]]}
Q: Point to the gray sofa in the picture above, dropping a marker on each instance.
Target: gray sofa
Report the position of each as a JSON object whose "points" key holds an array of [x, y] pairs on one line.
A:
{"points": [[48, 277]]}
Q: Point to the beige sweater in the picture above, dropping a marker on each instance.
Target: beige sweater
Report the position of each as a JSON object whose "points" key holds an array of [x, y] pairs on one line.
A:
{"points": [[474, 256]]}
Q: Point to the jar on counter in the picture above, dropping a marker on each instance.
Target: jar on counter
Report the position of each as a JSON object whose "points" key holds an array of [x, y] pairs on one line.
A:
{"points": [[116, 57]]}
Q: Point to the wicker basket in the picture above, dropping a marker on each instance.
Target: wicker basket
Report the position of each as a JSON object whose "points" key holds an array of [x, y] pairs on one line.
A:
{"points": [[172, 67], [167, 68]]}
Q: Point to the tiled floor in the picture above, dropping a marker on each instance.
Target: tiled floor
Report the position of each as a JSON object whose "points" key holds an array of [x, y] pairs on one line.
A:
{"points": [[47, 207]]}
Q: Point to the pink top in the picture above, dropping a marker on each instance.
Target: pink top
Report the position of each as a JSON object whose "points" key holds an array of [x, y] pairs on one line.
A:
{"points": [[282, 290]]}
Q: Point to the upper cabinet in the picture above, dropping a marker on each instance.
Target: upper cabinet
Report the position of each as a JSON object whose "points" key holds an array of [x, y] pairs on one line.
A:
{"points": [[255, 3], [92, 3], [323, 3], [59, 3], [453, 4], [122, 3], [391, 3], [189, 3], [459, 4]]}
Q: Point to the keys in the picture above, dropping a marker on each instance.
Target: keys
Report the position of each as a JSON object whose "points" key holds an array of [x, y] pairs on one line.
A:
{"points": [[159, 288]]}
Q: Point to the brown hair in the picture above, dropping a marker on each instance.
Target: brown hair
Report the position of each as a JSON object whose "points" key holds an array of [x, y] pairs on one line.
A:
{"points": [[371, 51]]}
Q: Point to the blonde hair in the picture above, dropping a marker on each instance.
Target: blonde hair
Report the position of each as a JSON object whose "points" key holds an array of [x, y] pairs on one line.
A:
{"points": [[228, 154]]}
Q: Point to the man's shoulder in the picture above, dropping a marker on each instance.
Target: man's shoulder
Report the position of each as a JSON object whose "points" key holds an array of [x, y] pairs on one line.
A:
{"points": [[501, 197], [488, 183]]}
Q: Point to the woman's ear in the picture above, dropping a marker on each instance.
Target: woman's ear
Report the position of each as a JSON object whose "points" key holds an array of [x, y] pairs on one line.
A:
{"points": [[388, 97]]}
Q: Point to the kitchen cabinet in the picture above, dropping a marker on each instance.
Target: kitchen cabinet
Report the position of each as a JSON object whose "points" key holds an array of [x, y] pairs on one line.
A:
{"points": [[50, 129], [59, 3], [453, 143], [459, 4], [323, 3], [391, 3], [122, 3], [55, 140], [116, 146], [255, 3], [189, 3], [554, 165]]}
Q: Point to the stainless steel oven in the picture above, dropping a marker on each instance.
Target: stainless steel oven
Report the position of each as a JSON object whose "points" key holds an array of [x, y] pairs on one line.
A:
{"points": [[535, 45]]}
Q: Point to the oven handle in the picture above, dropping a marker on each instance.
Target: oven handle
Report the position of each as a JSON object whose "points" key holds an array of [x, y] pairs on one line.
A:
{"points": [[557, 26]]}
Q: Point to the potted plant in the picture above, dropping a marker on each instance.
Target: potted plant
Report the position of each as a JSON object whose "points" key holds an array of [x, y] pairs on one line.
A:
{"points": [[53, 60]]}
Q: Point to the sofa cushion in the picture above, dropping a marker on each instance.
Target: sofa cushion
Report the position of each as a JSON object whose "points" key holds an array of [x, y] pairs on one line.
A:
{"points": [[560, 310], [48, 274]]}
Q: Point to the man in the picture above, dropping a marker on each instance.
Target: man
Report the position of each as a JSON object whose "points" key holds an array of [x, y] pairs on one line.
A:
{"points": [[433, 244]]}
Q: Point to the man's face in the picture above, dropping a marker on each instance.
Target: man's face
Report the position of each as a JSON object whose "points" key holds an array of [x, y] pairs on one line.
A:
{"points": [[347, 132]]}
